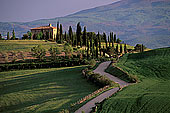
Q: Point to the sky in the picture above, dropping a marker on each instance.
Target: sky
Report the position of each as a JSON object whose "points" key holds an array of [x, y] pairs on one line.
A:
{"points": [[29, 10]]}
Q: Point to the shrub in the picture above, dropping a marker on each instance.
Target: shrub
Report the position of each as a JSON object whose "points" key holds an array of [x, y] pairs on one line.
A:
{"points": [[38, 52], [92, 63]]}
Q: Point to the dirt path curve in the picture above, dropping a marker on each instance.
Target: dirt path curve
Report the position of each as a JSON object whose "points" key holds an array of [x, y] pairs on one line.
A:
{"points": [[100, 69]]}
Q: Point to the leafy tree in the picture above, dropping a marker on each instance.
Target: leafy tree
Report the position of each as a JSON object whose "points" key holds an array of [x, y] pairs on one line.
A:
{"points": [[84, 36], [39, 36], [8, 36], [54, 51], [13, 35], [61, 32], [78, 34], [118, 41], [110, 51], [29, 34], [68, 50], [38, 52], [115, 38], [25, 36]]}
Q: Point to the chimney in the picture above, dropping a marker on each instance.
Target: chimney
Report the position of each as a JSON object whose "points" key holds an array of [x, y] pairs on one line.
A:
{"points": [[50, 25]]}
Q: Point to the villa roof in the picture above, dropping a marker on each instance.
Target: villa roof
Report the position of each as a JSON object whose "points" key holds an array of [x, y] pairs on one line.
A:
{"points": [[44, 27]]}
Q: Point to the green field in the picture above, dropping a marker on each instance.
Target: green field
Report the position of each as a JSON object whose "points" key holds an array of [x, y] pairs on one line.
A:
{"points": [[42, 90], [152, 93], [23, 45]]}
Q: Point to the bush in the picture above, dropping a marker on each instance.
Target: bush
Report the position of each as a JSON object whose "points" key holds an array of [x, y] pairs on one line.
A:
{"points": [[98, 79], [92, 63]]}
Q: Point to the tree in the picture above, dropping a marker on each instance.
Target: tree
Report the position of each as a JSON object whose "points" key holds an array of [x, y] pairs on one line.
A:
{"points": [[114, 38], [0, 37], [8, 36], [125, 49], [13, 35], [109, 41], [38, 52], [99, 38], [25, 36], [87, 48], [118, 41], [117, 48], [68, 50], [121, 49], [70, 32], [105, 38], [84, 36], [61, 32], [57, 37], [29, 34], [54, 51], [65, 36], [78, 34], [39, 35], [96, 44]]}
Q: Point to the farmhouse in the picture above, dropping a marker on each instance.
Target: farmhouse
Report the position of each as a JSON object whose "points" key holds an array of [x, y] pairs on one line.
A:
{"points": [[44, 32]]}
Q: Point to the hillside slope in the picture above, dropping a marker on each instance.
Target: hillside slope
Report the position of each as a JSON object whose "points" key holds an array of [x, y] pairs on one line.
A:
{"points": [[135, 21], [152, 93]]}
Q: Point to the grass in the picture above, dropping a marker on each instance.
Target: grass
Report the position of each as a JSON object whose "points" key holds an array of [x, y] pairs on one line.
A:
{"points": [[152, 93], [42, 90], [23, 45]]}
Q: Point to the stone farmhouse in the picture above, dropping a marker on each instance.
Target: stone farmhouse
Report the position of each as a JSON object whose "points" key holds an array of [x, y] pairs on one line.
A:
{"points": [[49, 32]]}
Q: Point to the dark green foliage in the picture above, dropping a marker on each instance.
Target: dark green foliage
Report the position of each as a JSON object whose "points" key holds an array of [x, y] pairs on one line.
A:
{"points": [[84, 36], [98, 79], [78, 34], [125, 48], [118, 41], [99, 38], [8, 36], [30, 35], [117, 48], [54, 51], [70, 32], [13, 35], [61, 33], [115, 38], [25, 36], [0, 37], [105, 38], [38, 52], [121, 48], [140, 47], [57, 37]]}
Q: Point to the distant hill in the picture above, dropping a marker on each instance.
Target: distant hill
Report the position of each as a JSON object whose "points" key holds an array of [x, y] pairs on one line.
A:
{"points": [[135, 21]]}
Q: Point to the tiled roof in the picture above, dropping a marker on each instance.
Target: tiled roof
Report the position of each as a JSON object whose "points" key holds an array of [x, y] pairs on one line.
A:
{"points": [[44, 27]]}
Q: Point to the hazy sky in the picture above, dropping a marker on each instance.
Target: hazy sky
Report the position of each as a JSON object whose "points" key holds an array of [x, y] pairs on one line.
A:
{"points": [[29, 10]]}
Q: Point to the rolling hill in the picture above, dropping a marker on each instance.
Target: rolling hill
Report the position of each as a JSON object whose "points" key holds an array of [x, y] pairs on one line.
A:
{"points": [[135, 21], [152, 93]]}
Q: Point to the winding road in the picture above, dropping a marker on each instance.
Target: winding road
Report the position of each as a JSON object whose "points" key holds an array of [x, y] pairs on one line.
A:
{"points": [[101, 70]]}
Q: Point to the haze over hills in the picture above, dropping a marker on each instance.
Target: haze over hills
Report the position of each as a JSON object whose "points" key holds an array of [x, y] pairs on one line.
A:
{"points": [[135, 21]]}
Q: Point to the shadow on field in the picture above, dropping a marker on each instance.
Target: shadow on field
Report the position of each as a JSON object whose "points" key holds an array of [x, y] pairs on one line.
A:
{"points": [[40, 88]]}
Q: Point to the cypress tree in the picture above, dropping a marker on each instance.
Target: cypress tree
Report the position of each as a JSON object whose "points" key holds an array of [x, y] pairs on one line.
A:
{"points": [[112, 39], [103, 51], [87, 48], [117, 48], [0, 37], [13, 35], [70, 32], [121, 49], [84, 36], [57, 37], [61, 32], [105, 38], [7, 35], [99, 43], [109, 41], [115, 38], [65, 36], [96, 44], [78, 34], [125, 49]]}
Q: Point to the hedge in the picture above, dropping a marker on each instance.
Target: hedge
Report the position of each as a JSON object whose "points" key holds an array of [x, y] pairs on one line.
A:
{"points": [[21, 66]]}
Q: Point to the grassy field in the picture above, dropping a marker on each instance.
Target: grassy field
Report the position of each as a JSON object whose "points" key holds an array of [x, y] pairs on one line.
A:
{"points": [[42, 90], [23, 45], [152, 93]]}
